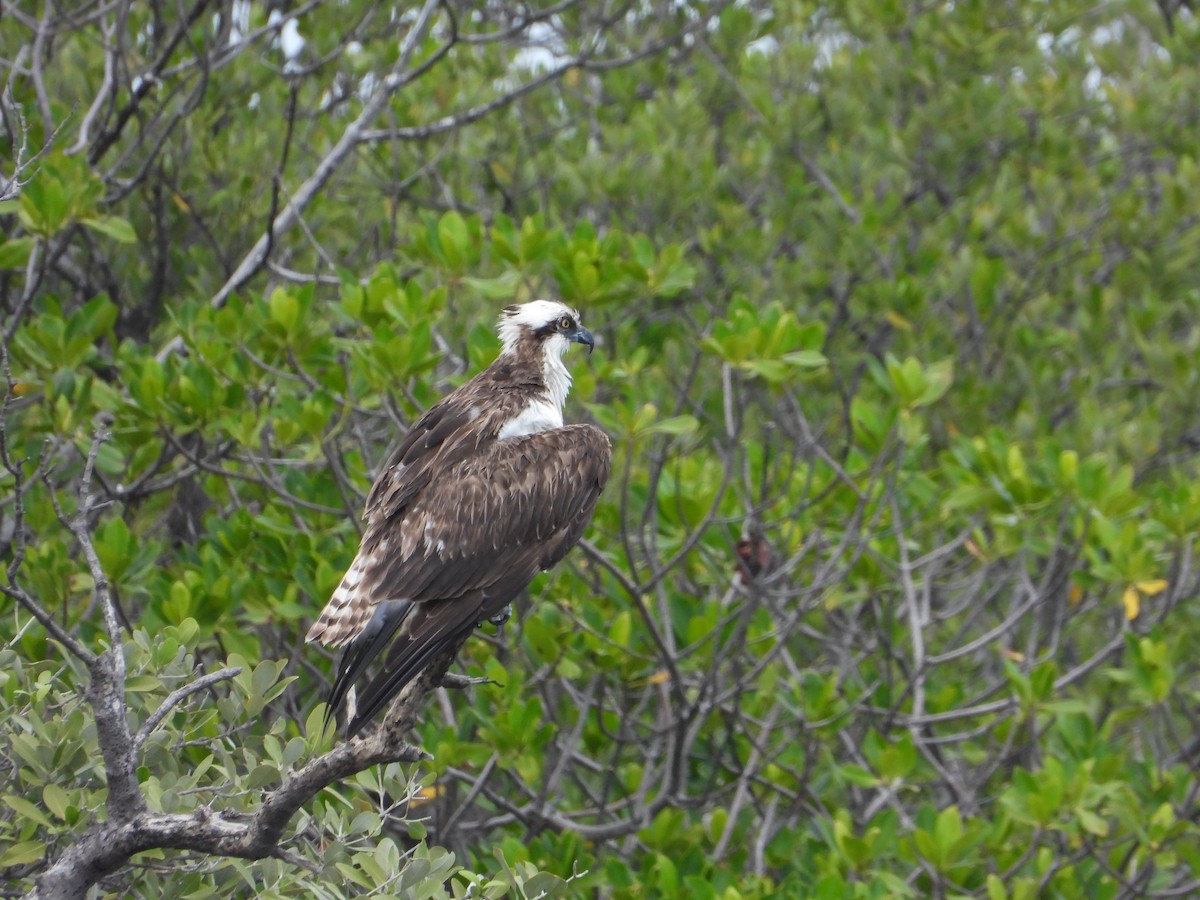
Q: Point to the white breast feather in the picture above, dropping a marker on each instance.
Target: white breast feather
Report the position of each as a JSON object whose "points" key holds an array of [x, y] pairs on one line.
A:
{"points": [[558, 379], [540, 415]]}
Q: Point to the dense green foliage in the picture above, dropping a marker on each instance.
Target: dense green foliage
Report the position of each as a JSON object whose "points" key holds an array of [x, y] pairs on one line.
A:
{"points": [[906, 298]]}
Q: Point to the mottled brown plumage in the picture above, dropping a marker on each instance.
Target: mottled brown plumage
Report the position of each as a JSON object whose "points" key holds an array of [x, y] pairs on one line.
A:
{"points": [[487, 489]]}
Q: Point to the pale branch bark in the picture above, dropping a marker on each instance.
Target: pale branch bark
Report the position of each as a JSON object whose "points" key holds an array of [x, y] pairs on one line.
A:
{"points": [[80, 526], [402, 73], [24, 165], [18, 135], [107, 94], [917, 620], [106, 690], [522, 20], [42, 37], [468, 116], [585, 61], [742, 791]]}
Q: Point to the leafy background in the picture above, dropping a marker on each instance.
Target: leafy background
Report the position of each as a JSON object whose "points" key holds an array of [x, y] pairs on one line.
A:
{"points": [[899, 301]]}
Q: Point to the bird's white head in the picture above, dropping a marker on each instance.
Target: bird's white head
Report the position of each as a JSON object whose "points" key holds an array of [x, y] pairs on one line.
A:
{"points": [[544, 329], [549, 324]]}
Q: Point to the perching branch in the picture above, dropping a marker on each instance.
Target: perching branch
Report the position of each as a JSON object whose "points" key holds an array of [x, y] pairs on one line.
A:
{"points": [[108, 846]]}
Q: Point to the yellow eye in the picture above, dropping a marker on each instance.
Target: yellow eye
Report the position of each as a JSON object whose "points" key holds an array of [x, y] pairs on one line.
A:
{"points": [[565, 323]]}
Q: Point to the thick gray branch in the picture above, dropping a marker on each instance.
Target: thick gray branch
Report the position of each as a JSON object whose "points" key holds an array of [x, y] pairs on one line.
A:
{"points": [[106, 692]]}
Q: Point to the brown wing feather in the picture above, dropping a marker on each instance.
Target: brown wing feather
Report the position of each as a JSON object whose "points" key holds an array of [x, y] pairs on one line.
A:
{"points": [[442, 432], [488, 513], [463, 544], [449, 430]]}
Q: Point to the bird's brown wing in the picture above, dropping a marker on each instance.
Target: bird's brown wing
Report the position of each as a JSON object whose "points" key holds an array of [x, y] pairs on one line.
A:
{"points": [[448, 432], [442, 429], [468, 542]]}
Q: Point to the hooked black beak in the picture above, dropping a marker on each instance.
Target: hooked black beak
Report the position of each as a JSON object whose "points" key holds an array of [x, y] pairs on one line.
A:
{"points": [[582, 336]]}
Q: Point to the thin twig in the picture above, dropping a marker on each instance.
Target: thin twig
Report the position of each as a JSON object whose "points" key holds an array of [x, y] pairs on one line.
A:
{"points": [[178, 696]]}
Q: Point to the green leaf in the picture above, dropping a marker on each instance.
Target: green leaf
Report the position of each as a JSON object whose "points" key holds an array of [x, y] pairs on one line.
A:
{"points": [[22, 854], [939, 376], [14, 254], [544, 884], [667, 876], [43, 206], [1092, 823], [56, 800], [261, 776], [26, 809], [949, 829], [856, 774], [454, 240], [140, 684], [677, 425], [112, 226], [806, 359], [621, 628], [284, 308], [503, 287], [927, 846]]}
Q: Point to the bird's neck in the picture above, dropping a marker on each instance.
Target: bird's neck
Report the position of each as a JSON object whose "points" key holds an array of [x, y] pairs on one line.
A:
{"points": [[545, 393], [557, 378], [518, 358]]}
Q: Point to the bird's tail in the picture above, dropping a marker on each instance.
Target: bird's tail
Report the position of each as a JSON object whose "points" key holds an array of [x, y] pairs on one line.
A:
{"points": [[360, 652], [406, 659]]}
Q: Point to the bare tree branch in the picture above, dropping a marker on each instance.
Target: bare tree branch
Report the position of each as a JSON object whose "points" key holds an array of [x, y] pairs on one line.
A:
{"points": [[400, 75], [146, 83]]}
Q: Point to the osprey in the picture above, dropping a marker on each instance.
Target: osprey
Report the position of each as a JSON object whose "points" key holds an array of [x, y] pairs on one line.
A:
{"points": [[488, 488]]}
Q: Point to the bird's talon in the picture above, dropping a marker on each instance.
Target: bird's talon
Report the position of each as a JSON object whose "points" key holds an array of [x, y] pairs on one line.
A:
{"points": [[501, 617]]}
